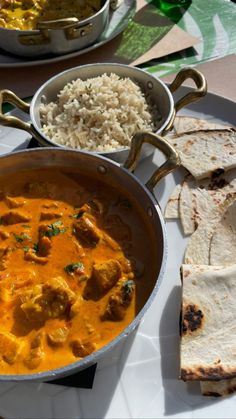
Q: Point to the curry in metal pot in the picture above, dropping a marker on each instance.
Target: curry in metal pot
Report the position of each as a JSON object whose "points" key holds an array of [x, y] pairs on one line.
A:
{"points": [[75, 267], [26, 14]]}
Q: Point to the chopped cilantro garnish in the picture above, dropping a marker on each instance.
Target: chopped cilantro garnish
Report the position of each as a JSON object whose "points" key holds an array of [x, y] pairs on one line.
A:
{"points": [[22, 237], [57, 223], [54, 230], [128, 287], [35, 247], [78, 215], [73, 266], [25, 226]]}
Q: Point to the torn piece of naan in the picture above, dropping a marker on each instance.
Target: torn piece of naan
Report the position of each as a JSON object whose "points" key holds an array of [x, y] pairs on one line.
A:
{"points": [[218, 388], [198, 198], [172, 206], [189, 123], [208, 323], [198, 248], [194, 205], [205, 152], [223, 241]]}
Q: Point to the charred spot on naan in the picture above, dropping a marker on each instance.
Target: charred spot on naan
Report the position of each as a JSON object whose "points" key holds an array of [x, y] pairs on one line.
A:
{"points": [[206, 374], [192, 318], [211, 394], [217, 172]]}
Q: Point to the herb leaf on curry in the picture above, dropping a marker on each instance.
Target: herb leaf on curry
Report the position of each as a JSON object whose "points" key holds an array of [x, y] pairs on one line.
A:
{"points": [[72, 267], [36, 247], [128, 288], [26, 248], [78, 215], [54, 230], [20, 238]]}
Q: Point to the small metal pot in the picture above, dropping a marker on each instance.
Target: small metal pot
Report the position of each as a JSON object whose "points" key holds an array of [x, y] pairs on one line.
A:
{"points": [[56, 36], [153, 88], [106, 171]]}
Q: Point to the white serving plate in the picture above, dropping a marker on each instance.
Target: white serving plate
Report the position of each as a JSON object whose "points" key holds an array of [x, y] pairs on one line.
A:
{"points": [[140, 379]]}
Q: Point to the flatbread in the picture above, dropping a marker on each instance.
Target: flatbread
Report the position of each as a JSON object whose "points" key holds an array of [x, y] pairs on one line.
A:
{"points": [[172, 206], [198, 198], [192, 200], [194, 206], [204, 152], [223, 241], [194, 203], [198, 248], [185, 124], [218, 388], [208, 345]]}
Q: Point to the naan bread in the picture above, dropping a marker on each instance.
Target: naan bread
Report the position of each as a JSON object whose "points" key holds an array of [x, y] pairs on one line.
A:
{"points": [[223, 241], [194, 206], [205, 152], [218, 388], [172, 206], [198, 248], [192, 200], [208, 344], [188, 123], [197, 199]]}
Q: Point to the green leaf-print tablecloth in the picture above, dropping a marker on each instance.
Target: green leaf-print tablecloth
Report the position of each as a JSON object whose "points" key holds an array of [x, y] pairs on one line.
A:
{"points": [[213, 22]]}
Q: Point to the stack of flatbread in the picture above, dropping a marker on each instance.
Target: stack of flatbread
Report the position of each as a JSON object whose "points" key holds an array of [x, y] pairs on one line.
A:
{"points": [[205, 203]]}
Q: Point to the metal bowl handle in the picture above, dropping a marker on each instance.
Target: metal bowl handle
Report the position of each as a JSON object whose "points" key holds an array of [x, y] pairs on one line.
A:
{"points": [[7, 96], [196, 94], [172, 162], [13, 121]]}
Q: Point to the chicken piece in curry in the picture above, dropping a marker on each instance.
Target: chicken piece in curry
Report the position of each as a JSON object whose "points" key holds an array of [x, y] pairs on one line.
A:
{"points": [[75, 267], [26, 14]]}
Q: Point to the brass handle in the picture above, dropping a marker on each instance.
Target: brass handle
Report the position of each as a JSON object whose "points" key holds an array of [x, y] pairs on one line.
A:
{"points": [[172, 162], [45, 27], [196, 94], [43, 37], [58, 23], [13, 121], [70, 25]]}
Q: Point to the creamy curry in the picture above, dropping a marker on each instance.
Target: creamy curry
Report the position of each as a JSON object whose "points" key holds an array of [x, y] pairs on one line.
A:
{"points": [[75, 267], [26, 14]]}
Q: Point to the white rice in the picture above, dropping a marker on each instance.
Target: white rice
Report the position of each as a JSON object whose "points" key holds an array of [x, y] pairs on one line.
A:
{"points": [[98, 114]]}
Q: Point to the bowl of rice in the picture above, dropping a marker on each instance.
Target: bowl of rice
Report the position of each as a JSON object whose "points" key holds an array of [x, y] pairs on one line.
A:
{"points": [[99, 107]]}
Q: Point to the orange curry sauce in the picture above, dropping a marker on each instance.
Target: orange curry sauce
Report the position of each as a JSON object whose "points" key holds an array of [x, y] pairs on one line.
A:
{"points": [[75, 268]]}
